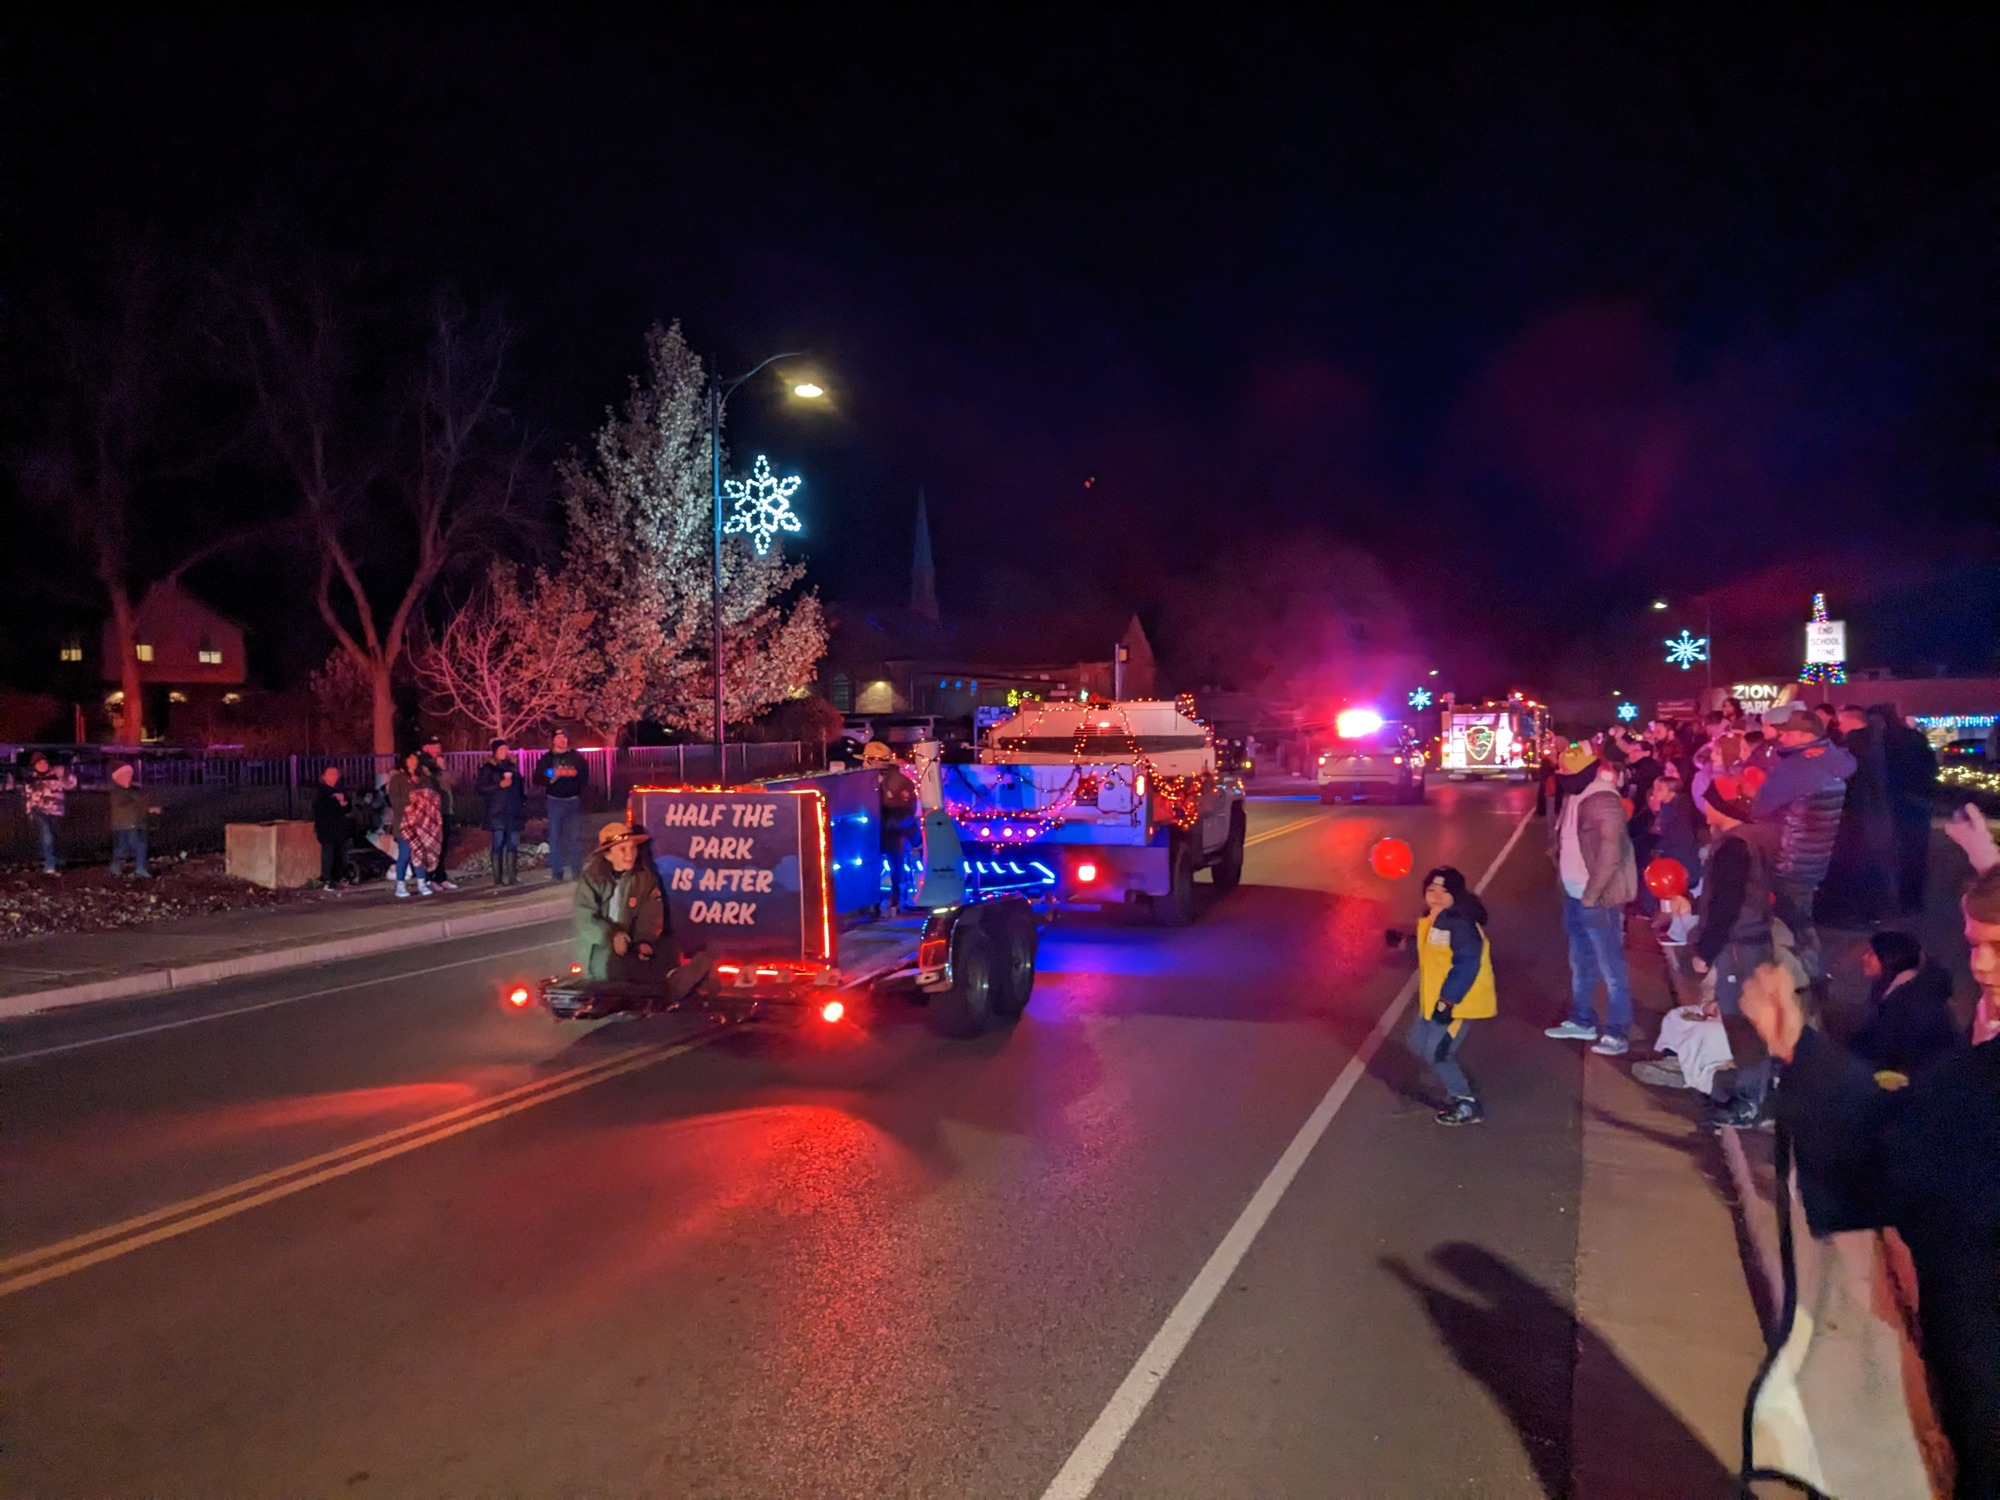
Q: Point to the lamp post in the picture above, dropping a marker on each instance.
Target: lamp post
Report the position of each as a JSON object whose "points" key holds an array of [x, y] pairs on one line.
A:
{"points": [[719, 392]]}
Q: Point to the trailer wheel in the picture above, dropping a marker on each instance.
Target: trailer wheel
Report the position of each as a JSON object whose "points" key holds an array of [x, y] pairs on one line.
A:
{"points": [[964, 1009], [1176, 908], [1228, 871], [1017, 965]]}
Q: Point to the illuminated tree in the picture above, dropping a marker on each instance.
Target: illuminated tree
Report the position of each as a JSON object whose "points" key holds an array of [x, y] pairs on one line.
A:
{"points": [[641, 520], [512, 658]]}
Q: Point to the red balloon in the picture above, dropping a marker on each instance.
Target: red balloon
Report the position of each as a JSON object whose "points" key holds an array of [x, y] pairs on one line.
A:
{"points": [[1391, 859], [1667, 878]]}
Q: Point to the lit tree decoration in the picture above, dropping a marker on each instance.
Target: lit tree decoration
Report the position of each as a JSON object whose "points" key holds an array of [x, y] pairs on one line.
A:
{"points": [[1832, 673], [1628, 711], [762, 505], [1420, 699], [1685, 650]]}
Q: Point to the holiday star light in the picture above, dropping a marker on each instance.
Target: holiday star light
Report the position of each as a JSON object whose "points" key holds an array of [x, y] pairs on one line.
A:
{"points": [[1685, 650], [1421, 698], [762, 505], [1628, 711]]}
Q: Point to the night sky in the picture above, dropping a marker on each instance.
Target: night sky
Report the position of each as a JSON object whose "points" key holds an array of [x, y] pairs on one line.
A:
{"points": [[1548, 312]]}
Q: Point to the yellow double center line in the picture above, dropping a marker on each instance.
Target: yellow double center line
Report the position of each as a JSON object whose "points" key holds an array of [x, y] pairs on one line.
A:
{"points": [[31, 1268], [1283, 828]]}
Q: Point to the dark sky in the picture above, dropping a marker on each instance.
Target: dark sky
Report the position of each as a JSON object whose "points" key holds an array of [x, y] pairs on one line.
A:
{"points": [[1551, 311]]}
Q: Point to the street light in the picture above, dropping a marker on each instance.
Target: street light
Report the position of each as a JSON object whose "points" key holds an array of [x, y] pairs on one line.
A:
{"points": [[719, 392]]}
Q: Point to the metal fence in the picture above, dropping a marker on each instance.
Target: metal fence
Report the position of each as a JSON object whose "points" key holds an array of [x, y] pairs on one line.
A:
{"points": [[200, 795]]}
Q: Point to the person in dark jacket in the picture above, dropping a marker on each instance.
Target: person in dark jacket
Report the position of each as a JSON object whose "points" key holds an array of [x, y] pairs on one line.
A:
{"points": [[1923, 1159], [1733, 940], [1860, 879], [1454, 985], [332, 823], [500, 782], [622, 928], [563, 777], [129, 817], [1909, 1025], [1804, 788], [1911, 771], [433, 750]]}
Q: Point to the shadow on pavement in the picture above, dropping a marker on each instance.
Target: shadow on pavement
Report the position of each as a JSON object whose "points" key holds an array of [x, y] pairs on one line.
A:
{"points": [[1526, 1348]]}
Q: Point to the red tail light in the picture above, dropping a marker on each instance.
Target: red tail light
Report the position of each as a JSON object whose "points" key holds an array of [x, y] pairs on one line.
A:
{"points": [[518, 997], [832, 1011], [1086, 872], [931, 953]]}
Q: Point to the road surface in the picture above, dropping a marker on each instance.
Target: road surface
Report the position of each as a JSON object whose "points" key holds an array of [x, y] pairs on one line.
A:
{"points": [[358, 1231]]}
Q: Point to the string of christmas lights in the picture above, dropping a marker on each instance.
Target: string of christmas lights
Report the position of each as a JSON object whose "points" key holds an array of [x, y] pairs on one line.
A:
{"points": [[1832, 673]]}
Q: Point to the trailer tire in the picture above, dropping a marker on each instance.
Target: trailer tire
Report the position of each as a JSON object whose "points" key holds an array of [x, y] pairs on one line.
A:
{"points": [[1176, 907], [1228, 871], [1017, 965], [964, 1009]]}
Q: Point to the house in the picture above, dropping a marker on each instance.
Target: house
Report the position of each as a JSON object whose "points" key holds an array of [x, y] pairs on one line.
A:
{"points": [[189, 655]]}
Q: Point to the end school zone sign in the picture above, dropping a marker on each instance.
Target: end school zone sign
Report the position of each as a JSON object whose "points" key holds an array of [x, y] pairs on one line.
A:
{"points": [[734, 866]]}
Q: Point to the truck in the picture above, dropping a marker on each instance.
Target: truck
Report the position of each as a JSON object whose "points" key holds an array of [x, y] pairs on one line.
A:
{"points": [[1492, 740], [1097, 804], [780, 893]]}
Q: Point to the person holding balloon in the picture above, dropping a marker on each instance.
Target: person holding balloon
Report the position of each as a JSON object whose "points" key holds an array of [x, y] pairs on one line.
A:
{"points": [[1454, 985]]}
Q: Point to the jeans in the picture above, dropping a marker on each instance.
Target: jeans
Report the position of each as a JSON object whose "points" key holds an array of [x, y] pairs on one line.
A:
{"points": [[1792, 904], [565, 837], [1597, 954], [404, 860], [1751, 1068], [1437, 1049], [129, 842], [45, 837], [505, 841]]}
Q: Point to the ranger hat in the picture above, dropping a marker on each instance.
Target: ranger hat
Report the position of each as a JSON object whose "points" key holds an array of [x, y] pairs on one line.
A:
{"points": [[877, 754], [620, 833]]}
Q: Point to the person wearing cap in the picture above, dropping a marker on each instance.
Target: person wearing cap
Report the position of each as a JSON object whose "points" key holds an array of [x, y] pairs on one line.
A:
{"points": [[1804, 788], [433, 752], [622, 931], [1593, 853], [1734, 939]]}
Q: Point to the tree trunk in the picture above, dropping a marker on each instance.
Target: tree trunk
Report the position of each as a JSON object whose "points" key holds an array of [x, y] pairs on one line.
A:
{"points": [[132, 711], [385, 708]]}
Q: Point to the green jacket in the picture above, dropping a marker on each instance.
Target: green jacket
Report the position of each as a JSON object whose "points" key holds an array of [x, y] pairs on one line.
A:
{"points": [[128, 808], [608, 903]]}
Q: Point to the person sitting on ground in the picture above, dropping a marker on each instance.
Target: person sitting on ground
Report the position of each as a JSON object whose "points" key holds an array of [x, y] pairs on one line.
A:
{"points": [[1909, 1024], [129, 812], [1454, 985], [1924, 1159], [622, 929], [332, 823]]}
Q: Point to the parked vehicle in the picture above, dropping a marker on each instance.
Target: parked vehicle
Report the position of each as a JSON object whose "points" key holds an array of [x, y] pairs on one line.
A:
{"points": [[1371, 756]]}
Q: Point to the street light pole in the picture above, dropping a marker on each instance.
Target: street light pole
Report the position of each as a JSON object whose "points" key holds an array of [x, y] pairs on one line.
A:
{"points": [[719, 393]]}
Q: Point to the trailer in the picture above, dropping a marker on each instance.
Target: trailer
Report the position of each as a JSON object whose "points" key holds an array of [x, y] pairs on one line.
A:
{"points": [[776, 890], [1099, 804]]}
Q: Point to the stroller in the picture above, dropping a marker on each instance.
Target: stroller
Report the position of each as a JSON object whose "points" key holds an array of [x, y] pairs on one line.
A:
{"points": [[371, 853]]}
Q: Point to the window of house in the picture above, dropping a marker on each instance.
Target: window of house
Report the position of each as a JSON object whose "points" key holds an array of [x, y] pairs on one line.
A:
{"points": [[177, 696], [232, 698], [209, 654], [72, 649], [144, 651]]}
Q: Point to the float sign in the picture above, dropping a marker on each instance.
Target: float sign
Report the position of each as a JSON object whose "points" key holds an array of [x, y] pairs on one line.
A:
{"points": [[733, 866]]}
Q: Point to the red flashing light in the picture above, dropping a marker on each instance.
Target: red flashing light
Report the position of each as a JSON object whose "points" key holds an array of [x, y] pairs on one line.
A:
{"points": [[729, 970], [832, 1011], [518, 997], [576, 968], [1086, 873]]}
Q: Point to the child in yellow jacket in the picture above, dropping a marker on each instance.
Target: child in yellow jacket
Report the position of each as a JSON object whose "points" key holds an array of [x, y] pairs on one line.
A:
{"points": [[1454, 985]]}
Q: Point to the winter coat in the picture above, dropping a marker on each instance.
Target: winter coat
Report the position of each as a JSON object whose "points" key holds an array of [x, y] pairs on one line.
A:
{"points": [[1926, 1160], [1912, 1024], [564, 776], [330, 814], [44, 791], [506, 806], [1858, 885], [1454, 969], [607, 903], [1594, 818], [1912, 771], [1677, 834], [128, 808], [1803, 792], [1736, 891]]}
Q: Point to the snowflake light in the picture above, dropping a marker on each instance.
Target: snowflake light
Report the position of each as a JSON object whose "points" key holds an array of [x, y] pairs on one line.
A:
{"points": [[1685, 650], [1421, 698], [762, 505], [1628, 711]]}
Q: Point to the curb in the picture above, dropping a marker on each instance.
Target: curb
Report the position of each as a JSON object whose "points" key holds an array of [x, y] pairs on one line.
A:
{"points": [[1759, 1229], [298, 956]]}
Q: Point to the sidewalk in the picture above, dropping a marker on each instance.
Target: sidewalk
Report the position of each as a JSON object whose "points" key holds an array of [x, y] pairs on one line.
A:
{"points": [[61, 969]]}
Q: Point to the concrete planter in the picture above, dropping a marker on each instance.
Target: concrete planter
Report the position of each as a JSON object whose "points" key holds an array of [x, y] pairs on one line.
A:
{"points": [[277, 856]]}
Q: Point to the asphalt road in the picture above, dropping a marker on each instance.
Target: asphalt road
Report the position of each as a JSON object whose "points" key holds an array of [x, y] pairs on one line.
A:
{"points": [[362, 1232]]}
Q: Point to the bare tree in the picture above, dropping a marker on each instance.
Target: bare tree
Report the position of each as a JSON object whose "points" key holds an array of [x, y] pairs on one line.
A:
{"points": [[391, 502], [512, 658]]}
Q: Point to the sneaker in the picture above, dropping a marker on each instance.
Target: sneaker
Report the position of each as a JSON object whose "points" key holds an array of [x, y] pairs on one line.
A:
{"points": [[1661, 1075], [424, 888], [402, 890], [1737, 1114], [1611, 1046], [444, 885], [1461, 1112], [1572, 1031]]}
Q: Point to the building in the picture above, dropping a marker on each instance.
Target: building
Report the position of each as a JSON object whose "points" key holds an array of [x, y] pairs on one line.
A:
{"points": [[915, 661], [190, 657]]}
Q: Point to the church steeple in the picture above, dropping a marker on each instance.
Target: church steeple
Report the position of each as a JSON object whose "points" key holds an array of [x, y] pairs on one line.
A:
{"points": [[923, 576]]}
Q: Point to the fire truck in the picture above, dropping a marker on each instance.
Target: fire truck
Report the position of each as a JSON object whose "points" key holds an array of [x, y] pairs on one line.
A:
{"points": [[1493, 740]]}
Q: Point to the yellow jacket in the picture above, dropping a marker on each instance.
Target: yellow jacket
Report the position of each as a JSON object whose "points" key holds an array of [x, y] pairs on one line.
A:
{"points": [[1441, 946]]}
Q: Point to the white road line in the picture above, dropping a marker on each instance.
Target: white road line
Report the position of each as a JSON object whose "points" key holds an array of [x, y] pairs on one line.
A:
{"points": [[1087, 1462], [245, 1010]]}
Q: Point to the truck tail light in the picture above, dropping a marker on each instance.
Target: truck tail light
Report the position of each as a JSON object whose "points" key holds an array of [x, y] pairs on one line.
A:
{"points": [[518, 997], [1086, 873], [832, 1011]]}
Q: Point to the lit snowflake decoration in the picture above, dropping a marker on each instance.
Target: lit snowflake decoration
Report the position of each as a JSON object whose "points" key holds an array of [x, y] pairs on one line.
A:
{"points": [[1685, 650], [1421, 698], [762, 505], [1628, 711]]}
